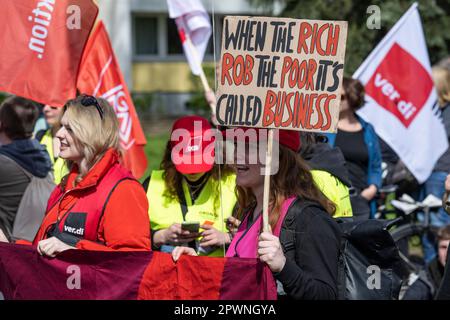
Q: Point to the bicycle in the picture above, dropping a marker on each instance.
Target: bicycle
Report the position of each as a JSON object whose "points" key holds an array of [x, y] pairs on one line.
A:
{"points": [[405, 234], [409, 210], [385, 195]]}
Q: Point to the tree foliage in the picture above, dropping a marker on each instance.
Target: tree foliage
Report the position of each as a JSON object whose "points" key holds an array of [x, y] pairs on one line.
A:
{"points": [[361, 40]]}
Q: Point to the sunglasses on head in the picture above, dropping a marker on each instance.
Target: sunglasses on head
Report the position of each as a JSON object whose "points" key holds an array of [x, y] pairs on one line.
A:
{"points": [[87, 101]]}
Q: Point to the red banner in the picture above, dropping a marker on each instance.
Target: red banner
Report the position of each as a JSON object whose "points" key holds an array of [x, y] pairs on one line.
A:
{"points": [[42, 43], [100, 76], [97, 275]]}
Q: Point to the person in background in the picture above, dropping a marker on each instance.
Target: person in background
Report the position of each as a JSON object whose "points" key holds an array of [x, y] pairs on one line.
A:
{"points": [[186, 190], [329, 171], [444, 289], [48, 138], [303, 246], [444, 63], [18, 152], [435, 184], [98, 205], [359, 144], [41, 124], [437, 265]]}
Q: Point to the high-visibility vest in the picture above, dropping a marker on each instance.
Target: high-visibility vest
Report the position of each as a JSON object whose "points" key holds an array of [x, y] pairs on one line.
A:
{"points": [[335, 191], [209, 205], [59, 165]]}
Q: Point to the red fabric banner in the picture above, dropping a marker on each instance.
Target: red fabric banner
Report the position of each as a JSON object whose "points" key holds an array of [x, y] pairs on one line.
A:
{"points": [[100, 76], [80, 274], [42, 43]]}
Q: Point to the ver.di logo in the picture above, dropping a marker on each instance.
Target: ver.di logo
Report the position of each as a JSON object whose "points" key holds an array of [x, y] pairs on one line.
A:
{"points": [[401, 85]]}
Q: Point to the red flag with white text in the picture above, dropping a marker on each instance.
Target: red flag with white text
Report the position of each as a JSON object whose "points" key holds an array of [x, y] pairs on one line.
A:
{"points": [[100, 76], [42, 44]]}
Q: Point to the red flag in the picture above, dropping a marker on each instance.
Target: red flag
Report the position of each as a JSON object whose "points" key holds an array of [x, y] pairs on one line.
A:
{"points": [[42, 43], [100, 76], [97, 275]]}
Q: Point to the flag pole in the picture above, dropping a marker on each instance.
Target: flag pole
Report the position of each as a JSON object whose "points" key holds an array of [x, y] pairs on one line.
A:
{"points": [[202, 75], [266, 227]]}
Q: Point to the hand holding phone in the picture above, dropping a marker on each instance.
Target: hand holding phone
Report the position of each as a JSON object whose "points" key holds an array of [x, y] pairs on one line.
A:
{"points": [[191, 226]]}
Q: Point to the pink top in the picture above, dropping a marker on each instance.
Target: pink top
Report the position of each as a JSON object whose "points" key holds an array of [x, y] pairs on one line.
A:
{"points": [[245, 242]]}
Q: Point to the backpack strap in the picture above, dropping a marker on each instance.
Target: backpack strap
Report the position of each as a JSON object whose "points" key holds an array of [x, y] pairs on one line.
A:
{"points": [[40, 134], [25, 172], [288, 230], [31, 176]]}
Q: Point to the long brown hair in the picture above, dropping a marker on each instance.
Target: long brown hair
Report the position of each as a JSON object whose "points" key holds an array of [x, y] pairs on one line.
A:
{"points": [[354, 93], [293, 178], [173, 178]]}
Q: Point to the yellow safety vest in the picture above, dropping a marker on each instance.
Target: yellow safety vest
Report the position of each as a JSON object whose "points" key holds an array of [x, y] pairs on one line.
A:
{"points": [[59, 165], [335, 191], [163, 211]]}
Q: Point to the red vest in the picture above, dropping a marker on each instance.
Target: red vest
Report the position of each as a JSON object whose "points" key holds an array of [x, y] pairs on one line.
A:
{"points": [[82, 220]]}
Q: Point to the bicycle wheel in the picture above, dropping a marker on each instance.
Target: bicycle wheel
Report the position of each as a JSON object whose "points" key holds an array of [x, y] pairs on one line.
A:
{"points": [[404, 237]]}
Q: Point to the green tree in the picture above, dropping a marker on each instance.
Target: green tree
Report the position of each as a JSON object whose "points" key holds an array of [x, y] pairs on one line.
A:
{"points": [[361, 40], [198, 103]]}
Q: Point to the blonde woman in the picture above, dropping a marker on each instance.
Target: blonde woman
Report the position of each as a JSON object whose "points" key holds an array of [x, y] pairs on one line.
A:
{"points": [[99, 205]]}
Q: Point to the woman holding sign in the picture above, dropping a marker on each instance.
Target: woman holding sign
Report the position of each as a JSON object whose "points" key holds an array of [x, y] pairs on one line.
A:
{"points": [[303, 247]]}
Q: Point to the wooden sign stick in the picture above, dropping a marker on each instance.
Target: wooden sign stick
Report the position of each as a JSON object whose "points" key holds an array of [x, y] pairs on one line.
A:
{"points": [[203, 79], [266, 227]]}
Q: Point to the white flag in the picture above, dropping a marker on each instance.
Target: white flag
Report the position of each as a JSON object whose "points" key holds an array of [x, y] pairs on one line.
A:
{"points": [[194, 29], [401, 102]]}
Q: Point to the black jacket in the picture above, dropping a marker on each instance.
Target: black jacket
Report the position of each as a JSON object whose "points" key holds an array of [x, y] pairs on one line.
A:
{"points": [[311, 269], [444, 290], [321, 156]]}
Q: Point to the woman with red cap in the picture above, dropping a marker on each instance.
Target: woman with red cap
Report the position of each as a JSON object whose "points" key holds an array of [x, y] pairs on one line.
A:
{"points": [[303, 247], [190, 188]]}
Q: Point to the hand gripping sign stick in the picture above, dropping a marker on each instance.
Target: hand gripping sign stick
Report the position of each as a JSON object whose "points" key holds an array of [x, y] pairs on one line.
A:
{"points": [[266, 227]]}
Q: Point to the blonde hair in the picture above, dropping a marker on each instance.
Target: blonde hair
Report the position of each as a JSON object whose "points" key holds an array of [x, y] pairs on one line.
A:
{"points": [[441, 78], [92, 134]]}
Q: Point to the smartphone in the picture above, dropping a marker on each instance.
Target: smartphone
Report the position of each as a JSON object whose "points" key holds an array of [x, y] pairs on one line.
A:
{"points": [[191, 226]]}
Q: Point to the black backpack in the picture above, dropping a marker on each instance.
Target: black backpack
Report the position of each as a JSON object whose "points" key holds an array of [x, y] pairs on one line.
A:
{"points": [[370, 267]]}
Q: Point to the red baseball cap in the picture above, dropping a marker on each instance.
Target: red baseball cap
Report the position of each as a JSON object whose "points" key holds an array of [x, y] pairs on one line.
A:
{"points": [[192, 142], [287, 138]]}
